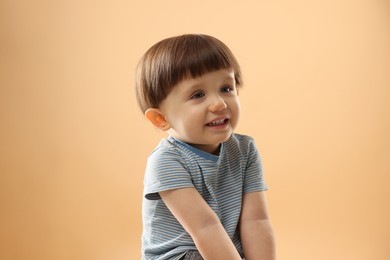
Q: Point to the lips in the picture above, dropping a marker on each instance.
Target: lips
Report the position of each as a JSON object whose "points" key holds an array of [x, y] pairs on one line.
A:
{"points": [[218, 122]]}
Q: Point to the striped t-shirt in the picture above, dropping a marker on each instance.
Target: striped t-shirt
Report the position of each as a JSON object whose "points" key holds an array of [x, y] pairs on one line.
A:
{"points": [[221, 180]]}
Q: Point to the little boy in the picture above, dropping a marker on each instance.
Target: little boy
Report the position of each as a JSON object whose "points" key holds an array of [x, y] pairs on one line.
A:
{"points": [[204, 188]]}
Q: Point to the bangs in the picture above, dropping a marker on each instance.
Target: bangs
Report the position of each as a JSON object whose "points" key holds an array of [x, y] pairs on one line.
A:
{"points": [[200, 54]]}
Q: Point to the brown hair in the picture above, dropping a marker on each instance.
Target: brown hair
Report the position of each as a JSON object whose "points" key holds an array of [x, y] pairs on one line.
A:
{"points": [[171, 60]]}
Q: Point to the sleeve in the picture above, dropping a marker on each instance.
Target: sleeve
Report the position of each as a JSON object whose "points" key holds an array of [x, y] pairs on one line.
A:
{"points": [[165, 170], [253, 177]]}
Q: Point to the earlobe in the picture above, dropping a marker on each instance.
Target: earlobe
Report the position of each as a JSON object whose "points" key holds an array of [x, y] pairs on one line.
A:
{"points": [[155, 116]]}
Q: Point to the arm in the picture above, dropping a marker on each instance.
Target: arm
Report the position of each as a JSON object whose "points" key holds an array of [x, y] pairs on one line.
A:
{"points": [[255, 228], [200, 221]]}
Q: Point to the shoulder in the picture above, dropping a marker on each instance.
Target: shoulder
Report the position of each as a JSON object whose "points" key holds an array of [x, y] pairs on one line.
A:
{"points": [[166, 168], [168, 155], [164, 156], [242, 147], [166, 149], [242, 139], [244, 143]]}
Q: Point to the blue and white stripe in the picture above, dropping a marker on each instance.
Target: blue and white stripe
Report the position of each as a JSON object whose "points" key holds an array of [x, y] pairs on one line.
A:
{"points": [[221, 180]]}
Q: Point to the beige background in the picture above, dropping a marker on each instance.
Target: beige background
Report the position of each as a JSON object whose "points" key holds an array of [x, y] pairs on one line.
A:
{"points": [[73, 144]]}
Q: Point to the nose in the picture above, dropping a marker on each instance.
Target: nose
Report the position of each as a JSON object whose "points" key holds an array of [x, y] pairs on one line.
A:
{"points": [[217, 104]]}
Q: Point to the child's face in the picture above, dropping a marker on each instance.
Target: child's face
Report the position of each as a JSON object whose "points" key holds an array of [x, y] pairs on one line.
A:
{"points": [[203, 111]]}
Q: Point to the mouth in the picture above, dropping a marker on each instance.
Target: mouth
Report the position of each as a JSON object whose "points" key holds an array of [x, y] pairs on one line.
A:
{"points": [[219, 122]]}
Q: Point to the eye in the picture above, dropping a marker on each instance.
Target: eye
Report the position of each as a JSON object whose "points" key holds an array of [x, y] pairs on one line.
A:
{"points": [[197, 94], [227, 89]]}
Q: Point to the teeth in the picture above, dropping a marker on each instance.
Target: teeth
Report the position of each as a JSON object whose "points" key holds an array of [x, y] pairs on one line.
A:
{"points": [[218, 122]]}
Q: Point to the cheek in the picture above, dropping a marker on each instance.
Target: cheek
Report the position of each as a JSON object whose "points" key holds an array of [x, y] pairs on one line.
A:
{"points": [[186, 118], [235, 107], [192, 116], [235, 110]]}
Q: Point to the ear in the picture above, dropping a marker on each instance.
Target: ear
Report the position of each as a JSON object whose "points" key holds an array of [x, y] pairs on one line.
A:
{"points": [[155, 116]]}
